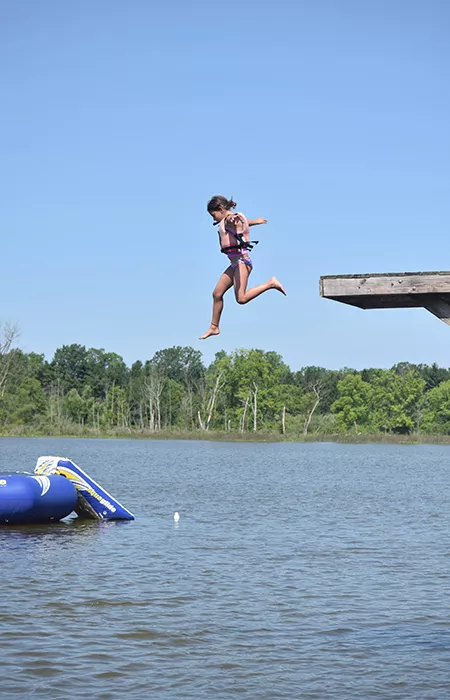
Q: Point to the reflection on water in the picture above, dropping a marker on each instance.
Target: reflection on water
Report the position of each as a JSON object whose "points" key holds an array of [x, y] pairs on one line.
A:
{"points": [[312, 571]]}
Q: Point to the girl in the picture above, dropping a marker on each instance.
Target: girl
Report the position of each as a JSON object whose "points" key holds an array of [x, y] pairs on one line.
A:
{"points": [[235, 243]]}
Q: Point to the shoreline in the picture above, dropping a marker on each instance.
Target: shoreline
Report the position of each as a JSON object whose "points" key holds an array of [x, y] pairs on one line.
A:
{"points": [[206, 436]]}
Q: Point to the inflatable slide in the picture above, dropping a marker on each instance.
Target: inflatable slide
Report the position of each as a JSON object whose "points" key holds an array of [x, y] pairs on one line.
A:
{"points": [[57, 488]]}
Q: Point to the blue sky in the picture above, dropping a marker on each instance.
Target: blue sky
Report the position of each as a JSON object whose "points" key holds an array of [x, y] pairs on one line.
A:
{"points": [[121, 119]]}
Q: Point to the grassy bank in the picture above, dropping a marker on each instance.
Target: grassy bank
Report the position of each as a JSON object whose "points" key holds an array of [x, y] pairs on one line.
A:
{"points": [[222, 436]]}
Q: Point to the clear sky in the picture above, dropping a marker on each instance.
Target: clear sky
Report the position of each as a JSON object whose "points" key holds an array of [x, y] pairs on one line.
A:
{"points": [[120, 119]]}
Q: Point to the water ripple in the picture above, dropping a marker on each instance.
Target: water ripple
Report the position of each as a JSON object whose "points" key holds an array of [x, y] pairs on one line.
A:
{"points": [[296, 571]]}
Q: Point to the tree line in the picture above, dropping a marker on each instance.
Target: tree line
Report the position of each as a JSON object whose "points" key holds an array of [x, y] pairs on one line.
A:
{"points": [[91, 391]]}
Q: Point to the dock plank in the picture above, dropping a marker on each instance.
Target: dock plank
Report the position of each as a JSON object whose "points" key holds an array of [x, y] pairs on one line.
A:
{"points": [[390, 290]]}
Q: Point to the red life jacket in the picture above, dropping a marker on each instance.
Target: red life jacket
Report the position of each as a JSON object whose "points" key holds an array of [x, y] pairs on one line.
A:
{"points": [[235, 237]]}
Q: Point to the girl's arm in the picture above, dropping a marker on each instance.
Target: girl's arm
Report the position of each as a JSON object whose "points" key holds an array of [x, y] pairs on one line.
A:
{"points": [[255, 222]]}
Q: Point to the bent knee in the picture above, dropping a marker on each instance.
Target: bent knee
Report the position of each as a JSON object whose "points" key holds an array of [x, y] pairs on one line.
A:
{"points": [[241, 300]]}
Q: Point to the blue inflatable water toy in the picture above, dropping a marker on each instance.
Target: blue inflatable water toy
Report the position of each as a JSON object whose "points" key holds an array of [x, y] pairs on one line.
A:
{"points": [[93, 500], [25, 498], [57, 488]]}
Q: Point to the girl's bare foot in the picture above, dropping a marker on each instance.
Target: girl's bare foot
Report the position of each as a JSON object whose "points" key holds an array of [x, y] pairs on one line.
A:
{"points": [[277, 285], [212, 330]]}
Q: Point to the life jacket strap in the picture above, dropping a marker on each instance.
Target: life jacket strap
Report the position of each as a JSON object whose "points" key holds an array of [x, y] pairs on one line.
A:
{"points": [[242, 245]]}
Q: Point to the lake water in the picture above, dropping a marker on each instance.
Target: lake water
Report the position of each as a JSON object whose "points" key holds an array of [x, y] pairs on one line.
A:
{"points": [[295, 571]]}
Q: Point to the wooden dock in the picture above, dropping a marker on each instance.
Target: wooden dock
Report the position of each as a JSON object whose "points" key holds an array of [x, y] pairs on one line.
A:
{"points": [[391, 290]]}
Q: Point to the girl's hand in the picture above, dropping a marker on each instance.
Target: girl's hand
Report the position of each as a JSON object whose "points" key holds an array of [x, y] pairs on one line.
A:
{"points": [[255, 222]]}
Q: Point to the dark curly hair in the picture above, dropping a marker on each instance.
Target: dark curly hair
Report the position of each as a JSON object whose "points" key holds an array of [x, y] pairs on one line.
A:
{"points": [[220, 202]]}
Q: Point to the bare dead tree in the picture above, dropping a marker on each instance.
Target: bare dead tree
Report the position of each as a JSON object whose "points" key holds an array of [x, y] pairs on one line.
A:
{"points": [[316, 388], [8, 334], [125, 414], [56, 400], [210, 403], [187, 402], [244, 413], [254, 392], [153, 387]]}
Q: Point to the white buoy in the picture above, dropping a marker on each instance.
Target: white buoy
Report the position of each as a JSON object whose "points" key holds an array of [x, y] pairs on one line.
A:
{"points": [[176, 516]]}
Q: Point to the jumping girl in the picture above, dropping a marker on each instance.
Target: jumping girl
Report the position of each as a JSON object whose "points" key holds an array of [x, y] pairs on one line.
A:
{"points": [[235, 243]]}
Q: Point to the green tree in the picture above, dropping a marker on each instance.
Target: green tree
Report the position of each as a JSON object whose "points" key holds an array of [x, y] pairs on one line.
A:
{"points": [[171, 404], [105, 370], [135, 394], [250, 387], [395, 400], [76, 408], [182, 364], [314, 379], [351, 408], [70, 365], [433, 375], [115, 409], [436, 410], [28, 403], [290, 401]]}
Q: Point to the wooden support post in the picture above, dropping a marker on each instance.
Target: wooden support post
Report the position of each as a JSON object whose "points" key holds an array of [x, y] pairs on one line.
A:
{"points": [[439, 308]]}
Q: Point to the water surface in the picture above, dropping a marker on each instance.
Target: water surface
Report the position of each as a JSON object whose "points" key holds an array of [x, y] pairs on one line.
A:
{"points": [[295, 571]]}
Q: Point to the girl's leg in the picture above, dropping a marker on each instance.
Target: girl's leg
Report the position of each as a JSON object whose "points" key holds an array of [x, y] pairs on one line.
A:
{"points": [[243, 296], [223, 285]]}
